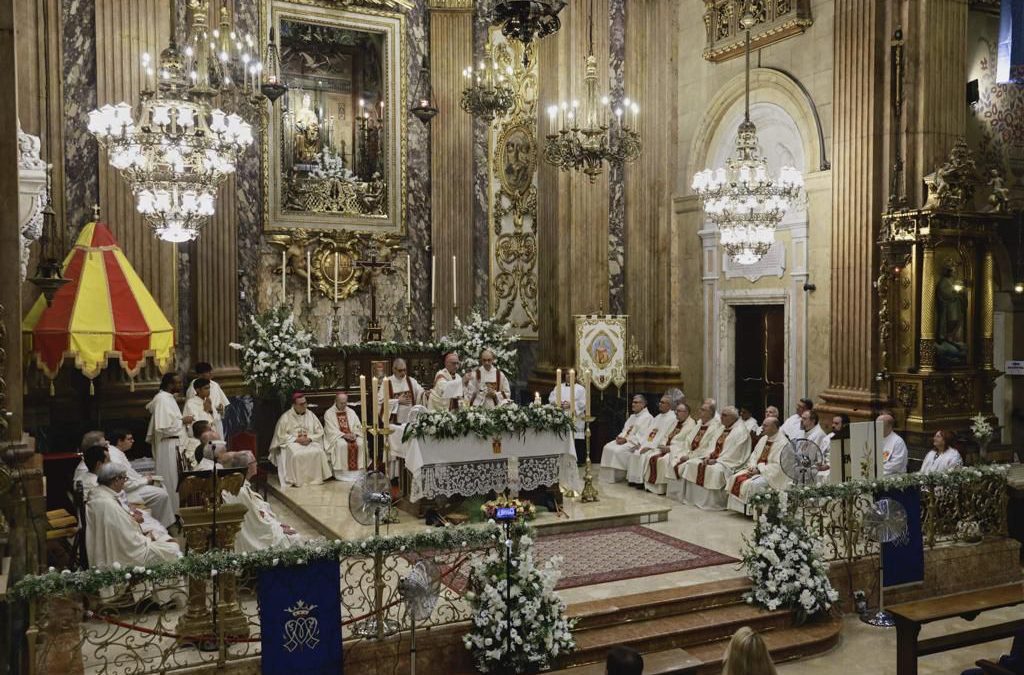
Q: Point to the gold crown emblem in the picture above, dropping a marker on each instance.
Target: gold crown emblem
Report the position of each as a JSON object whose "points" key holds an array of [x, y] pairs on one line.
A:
{"points": [[300, 610]]}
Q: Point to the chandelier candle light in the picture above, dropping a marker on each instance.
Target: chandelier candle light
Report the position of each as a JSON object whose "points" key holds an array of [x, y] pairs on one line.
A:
{"points": [[741, 199], [176, 149], [584, 138], [487, 93]]}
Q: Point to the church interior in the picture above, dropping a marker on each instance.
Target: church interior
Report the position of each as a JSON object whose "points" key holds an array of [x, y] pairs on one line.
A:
{"points": [[512, 336]]}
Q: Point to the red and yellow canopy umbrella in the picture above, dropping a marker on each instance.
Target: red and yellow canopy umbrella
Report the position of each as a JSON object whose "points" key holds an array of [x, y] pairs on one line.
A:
{"points": [[104, 312]]}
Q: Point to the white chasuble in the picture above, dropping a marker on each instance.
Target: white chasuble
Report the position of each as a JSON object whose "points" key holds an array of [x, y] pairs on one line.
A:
{"points": [[763, 469], [299, 464], [261, 527], [482, 382], [348, 457], [729, 452], [616, 455], [166, 435], [658, 462], [661, 426], [391, 387], [112, 535], [446, 392]]}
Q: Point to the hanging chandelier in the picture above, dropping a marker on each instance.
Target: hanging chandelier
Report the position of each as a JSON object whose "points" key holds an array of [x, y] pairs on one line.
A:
{"points": [[595, 133], [527, 20], [741, 199], [175, 149], [488, 93]]}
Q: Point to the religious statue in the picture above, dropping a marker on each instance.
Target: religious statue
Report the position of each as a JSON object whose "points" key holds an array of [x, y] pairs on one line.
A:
{"points": [[950, 348], [1000, 195], [307, 134], [296, 254]]}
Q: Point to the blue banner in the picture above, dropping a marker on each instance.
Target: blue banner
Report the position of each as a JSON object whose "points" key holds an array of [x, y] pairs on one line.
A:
{"points": [[300, 619], [904, 563]]}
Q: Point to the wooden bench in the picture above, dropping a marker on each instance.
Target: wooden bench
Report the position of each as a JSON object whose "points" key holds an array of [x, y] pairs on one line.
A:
{"points": [[910, 616], [668, 662]]}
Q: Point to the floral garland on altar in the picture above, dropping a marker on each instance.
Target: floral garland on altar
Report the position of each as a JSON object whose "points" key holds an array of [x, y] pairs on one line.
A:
{"points": [[276, 354], [210, 563], [489, 422]]}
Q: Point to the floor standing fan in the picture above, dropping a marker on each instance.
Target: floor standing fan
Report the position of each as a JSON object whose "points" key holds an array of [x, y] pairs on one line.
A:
{"points": [[800, 460], [369, 501], [885, 522], [420, 591]]}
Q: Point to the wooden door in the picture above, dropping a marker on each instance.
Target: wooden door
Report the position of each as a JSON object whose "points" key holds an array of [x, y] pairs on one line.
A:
{"points": [[760, 357]]}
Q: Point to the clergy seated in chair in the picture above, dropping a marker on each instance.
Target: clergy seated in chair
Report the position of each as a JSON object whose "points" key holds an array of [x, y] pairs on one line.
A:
{"points": [[615, 455], [139, 488], [345, 440], [114, 535], [677, 445], [211, 442], [763, 469], [260, 527], [297, 449], [659, 429], [706, 428], [93, 458], [705, 475]]}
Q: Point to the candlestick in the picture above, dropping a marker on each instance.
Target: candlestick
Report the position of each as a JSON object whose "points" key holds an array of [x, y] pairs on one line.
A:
{"points": [[572, 392], [558, 387], [309, 277], [335, 276], [284, 273], [363, 403]]}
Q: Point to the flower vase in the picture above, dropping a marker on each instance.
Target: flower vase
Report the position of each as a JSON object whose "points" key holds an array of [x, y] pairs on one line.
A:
{"points": [[983, 444]]}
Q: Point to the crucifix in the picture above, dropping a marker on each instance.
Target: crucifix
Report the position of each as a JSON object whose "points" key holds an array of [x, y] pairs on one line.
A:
{"points": [[373, 331]]}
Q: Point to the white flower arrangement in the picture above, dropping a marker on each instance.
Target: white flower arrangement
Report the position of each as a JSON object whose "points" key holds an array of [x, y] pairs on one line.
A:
{"points": [[276, 354], [488, 422], [332, 166], [538, 629], [981, 428], [469, 338], [786, 565]]}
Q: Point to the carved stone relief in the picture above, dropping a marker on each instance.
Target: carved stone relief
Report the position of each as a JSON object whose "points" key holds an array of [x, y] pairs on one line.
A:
{"points": [[31, 194]]}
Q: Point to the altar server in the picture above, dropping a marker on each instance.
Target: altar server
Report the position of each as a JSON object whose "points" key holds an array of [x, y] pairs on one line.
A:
{"points": [[449, 386], [217, 396], [615, 456], [763, 468], [791, 427], [706, 474], [298, 446], [402, 390], [345, 440], [894, 448], [943, 456], [199, 405], [261, 527], [564, 396], [166, 433], [488, 387]]}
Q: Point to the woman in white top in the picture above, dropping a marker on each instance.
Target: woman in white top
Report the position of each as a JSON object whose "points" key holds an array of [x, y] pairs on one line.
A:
{"points": [[942, 457]]}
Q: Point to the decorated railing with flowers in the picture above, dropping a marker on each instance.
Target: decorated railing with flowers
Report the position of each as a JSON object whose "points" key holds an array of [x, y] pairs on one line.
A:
{"points": [[126, 620], [962, 504]]}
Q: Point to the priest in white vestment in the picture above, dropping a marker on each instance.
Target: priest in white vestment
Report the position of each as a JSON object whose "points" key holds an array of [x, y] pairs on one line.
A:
{"points": [[166, 433], [894, 448], [112, 535], [200, 406], [943, 456], [791, 427], [706, 474], [763, 468], [747, 418], [345, 440], [615, 455], [488, 387], [298, 446], [658, 469], [770, 411], [561, 397], [402, 390], [220, 400], [660, 427], [449, 386], [708, 427], [261, 527], [811, 432]]}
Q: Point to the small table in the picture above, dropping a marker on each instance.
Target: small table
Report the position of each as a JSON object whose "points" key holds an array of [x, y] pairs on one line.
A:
{"points": [[910, 616]]}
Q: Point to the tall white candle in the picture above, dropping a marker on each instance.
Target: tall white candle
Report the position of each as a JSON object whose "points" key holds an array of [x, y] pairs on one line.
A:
{"points": [[572, 392], [455, 294], [433, 281], [558, 386], [408, 280], [284, 267], [363, 403], [309, 277], [335, 276], [586, 386], [373, 402]]}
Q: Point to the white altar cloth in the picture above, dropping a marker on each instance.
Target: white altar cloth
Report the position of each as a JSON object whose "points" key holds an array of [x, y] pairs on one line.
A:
{"points": [[470, 466]]}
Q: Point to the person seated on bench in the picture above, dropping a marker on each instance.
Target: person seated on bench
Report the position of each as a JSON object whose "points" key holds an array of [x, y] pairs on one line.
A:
{"points": [[1014, 661], [747, 654], [624, 661]]}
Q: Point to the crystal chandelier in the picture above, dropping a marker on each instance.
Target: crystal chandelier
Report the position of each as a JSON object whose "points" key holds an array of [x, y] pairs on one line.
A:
{"points": [[175, 150], [595, 133], [487, 93], [741, 199], [527, 20]]}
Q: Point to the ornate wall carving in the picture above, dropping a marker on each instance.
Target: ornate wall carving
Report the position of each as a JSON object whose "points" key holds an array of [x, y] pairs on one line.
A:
{"points": [[775, 20]]}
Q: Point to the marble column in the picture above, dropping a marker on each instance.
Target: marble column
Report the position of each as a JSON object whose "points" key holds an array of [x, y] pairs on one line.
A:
{"points": [[78, 69], [418, 180], [616, 172], [858, 198], [248, 198], [480, 271], [10, 239], [987, 307]]}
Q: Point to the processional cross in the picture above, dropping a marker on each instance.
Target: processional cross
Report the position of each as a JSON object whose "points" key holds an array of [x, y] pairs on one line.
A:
{"points": [[373, 331]]}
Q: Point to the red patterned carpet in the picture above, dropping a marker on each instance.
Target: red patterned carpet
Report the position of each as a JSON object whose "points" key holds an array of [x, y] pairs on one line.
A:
{"points": [[613, 554]]}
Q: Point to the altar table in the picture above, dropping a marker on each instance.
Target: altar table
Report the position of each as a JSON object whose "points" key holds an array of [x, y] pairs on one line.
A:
{"points": [[475, 466]]}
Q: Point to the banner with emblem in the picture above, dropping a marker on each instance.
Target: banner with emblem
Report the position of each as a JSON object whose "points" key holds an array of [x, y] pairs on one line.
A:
{"points": [[300, 619], [601, 348]]}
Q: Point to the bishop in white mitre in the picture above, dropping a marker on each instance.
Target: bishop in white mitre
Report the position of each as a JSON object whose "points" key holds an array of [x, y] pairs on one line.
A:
{"points": [[167, 434], [220, 400], [488, 387], [261, 528], [658, 464], [298, 446], [616, 453], [345, 440], [763, 468], [449, 386], [112, 535], [659, 429], [705, 475], [200, 406], [402, 390]]}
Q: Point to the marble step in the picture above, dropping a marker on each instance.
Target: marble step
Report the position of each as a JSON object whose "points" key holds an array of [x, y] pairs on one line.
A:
{"points": [[654, 604], [683, 631], [785, 644]]}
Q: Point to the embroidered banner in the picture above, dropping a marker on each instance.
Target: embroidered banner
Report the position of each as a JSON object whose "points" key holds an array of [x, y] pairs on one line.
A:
{"points": [[601, 348], [300, 619]]}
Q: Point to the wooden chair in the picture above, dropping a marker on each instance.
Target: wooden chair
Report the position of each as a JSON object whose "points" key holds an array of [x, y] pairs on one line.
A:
{"points": [[80, 555], [991, 668], [246, 440]]}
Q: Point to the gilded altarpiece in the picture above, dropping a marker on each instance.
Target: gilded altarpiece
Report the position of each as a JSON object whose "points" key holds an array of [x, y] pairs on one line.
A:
{"points": [[512, 176], [935, 289]]}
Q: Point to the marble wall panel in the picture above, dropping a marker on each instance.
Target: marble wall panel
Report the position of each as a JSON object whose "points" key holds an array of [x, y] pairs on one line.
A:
{"points": [[616, 172], [78, 69]]}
